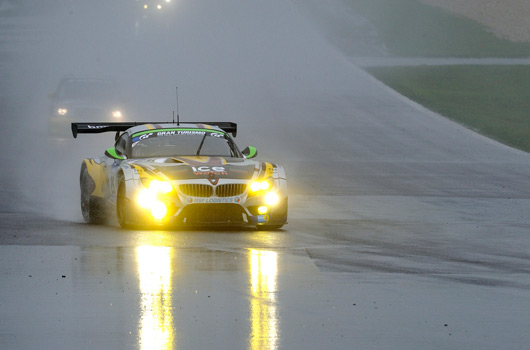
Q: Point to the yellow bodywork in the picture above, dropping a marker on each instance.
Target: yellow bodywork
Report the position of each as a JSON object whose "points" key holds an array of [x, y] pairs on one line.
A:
{"points": [[268, 170], [97, 173]]}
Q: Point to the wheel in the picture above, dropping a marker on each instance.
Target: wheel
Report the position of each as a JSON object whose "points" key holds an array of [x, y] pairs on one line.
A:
{"points": [[121, 205], [92, 207]]}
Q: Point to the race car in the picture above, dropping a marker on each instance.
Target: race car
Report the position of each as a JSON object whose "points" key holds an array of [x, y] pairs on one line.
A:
{"points": [[180, 174]]}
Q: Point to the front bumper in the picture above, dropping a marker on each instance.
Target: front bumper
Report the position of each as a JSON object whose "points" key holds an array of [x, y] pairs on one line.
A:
{"points": [[183, 210]]}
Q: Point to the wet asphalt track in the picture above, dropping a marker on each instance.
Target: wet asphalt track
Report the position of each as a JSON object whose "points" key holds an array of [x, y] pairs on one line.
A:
{"points": [[406, 231]]}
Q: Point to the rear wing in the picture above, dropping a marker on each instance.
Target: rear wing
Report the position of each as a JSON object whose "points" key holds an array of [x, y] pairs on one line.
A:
{"points": [[96, 128]]}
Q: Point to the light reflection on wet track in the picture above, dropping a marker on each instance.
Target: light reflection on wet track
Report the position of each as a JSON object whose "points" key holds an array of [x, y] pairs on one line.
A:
{"points": [[263, 309], [157, 280], [155, 275]]}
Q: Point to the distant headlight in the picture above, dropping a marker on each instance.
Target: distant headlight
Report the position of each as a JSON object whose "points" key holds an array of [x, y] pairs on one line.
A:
{"points": [[116, 114], [62, 111]]}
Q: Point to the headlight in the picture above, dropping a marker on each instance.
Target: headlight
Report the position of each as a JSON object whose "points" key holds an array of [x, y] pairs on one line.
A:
{"points": [[160, 186], [116, 114], [257, 186], [156, 186], [62, 111], [271, 198]]}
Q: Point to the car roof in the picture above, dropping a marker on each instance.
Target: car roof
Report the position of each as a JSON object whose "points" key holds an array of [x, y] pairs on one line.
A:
{"points": [[160, 126]]}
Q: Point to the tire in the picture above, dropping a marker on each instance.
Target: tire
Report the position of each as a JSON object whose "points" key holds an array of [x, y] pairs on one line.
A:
{"points": [[92, 207], [121, 205]]}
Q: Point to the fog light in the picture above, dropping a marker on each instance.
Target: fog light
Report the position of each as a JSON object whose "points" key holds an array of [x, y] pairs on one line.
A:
{"points": [[62, 111], [158, 210], [262, 210]]}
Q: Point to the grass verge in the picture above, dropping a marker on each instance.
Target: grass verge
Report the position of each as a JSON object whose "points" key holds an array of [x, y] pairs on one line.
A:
{"points": [[492, 100], [409, 28]]}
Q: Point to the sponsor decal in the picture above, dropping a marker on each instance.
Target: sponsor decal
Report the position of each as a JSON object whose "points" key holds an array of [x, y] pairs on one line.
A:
{"points": [[263, 219], [171, 132], [209, 171], [191, 200]]}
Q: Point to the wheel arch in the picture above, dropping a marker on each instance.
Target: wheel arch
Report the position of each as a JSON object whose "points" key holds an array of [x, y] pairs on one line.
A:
{"points": [[129, 175]]}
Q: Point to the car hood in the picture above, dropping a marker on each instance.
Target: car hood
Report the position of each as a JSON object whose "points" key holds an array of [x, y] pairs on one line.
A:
{"points": [[186, 168]]}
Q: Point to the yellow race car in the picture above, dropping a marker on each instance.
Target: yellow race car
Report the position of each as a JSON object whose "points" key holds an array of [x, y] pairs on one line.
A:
{"points": [[180, 174]]}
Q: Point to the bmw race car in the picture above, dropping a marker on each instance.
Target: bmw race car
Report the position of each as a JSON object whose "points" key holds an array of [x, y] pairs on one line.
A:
{"points": [[184, 174]]}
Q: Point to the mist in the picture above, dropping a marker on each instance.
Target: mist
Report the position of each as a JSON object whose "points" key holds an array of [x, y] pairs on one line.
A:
{"points": [[265, 65], [405, 228]]}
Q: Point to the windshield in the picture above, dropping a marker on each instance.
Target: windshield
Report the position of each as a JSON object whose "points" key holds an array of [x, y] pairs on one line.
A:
{"points": [[182, 142]]}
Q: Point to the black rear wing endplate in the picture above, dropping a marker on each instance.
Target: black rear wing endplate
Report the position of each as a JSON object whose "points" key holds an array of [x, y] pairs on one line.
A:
{"points": [[100, 127]]}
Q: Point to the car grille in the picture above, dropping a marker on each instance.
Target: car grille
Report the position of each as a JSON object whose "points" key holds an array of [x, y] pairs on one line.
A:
{"points": [[230, 190], [196, 190], [225, 190]]}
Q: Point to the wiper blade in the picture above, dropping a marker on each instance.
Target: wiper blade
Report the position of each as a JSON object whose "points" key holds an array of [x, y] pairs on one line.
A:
{"points": [[200, 146]]}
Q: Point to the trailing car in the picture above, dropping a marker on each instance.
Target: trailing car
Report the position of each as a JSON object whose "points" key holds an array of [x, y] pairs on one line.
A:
{"points": [[84, 99], [183, 174]]}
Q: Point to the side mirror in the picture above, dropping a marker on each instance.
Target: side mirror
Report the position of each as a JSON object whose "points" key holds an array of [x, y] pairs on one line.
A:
{"points": [[113, 153], [250, 152]]}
